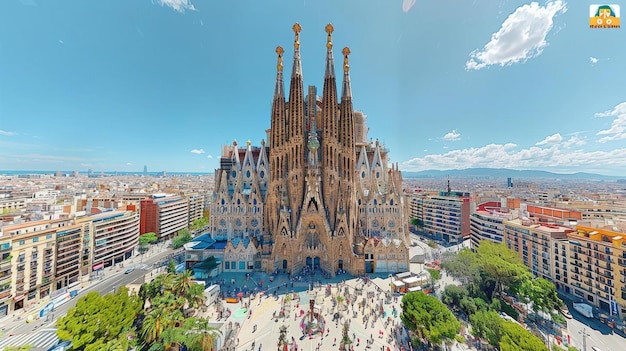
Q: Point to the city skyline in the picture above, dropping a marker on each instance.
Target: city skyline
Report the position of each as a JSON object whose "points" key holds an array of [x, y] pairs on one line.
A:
{"points": [[114, 86]]}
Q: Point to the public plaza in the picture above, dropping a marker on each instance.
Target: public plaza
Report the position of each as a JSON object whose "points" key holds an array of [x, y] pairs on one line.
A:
{"points": [[266, 303], [314, 318]]}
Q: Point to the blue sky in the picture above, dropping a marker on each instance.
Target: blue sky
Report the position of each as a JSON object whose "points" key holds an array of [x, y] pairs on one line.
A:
{"points": [[115, 85]]}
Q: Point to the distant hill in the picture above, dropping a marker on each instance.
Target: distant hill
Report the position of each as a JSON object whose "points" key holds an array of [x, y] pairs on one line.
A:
{"points": [[505, 173]]}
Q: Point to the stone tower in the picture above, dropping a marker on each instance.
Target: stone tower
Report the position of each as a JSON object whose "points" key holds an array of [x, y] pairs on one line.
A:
{"points": [[311, 207], [318, 193]]}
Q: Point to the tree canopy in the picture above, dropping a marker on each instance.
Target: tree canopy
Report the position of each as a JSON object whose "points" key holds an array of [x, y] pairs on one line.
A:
{"points": [[507, 335], [199, 223], [429, 317], [181, 239], [170, 297], [98, 320], [148, 238], [494, 269]]}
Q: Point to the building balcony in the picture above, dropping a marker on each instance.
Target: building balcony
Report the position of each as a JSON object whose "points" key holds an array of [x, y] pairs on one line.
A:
{"points": [[4, 274]]}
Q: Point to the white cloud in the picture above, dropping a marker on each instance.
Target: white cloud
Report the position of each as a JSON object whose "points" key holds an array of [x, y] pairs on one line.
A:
{"points": [[407, 5], [551, 139], [209, 156], [574, 141], [593, 60], [129, 163], [452, 136], [507, 155], [522, 36], [61, 41], [197, 151], [618, 127], [178, 5], [6, 133]]}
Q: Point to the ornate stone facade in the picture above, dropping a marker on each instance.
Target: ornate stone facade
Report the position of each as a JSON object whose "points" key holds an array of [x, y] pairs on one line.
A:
{"points": [[316, 195]]}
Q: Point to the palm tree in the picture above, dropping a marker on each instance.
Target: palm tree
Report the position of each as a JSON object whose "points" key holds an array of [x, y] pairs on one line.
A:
{"points": [[195, 296], [182, 283], [152, 325]]}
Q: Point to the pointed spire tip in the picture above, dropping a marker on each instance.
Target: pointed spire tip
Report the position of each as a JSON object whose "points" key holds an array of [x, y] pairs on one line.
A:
{"points": [[346, 52], [280, 51]]}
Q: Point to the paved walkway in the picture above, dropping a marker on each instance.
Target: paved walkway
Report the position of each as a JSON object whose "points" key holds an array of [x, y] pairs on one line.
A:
{"points": [[373, 326]]}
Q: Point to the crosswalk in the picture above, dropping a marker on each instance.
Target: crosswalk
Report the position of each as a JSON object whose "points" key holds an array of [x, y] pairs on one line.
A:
{"points": [[41, 340]]}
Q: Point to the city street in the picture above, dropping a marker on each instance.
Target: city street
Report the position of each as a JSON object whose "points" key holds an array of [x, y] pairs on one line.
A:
{"points": [[18, 332], [598, 334]]}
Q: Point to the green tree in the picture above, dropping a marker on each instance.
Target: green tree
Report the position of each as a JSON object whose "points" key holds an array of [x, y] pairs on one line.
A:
{"points": [[486, 325], [453, 294], [416, 222], [97, 320], [208, 264], [434, 273], [145, 240], [181, 239], [541, 293], [165, 324], [429, 318], [516, 338], [462, 266], [500, 265], [199, 223], [504, 334], [148, 238], [171, 266]]}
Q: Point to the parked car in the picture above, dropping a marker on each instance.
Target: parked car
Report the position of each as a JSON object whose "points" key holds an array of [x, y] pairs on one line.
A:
{"points": [[129, 270], [566, 313]]}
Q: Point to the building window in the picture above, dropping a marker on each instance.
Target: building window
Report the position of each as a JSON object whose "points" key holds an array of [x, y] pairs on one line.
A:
{"points": [[48, 236], [227, 265], [21, 242], [35, 239]]}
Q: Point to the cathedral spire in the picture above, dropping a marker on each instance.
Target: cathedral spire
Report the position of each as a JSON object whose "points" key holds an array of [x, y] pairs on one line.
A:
{"points": [[279, 91], [330, 62], [297, 66], [346, 90]]}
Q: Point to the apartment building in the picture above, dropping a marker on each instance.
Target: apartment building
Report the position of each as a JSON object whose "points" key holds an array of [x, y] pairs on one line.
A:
{"points": [[598, 268], [195, 206], [113, 236], [12, 204], [68, 251], [535, 243], [164, 215], [33, 260], [5, 274], [487, 222], [445, 216]]}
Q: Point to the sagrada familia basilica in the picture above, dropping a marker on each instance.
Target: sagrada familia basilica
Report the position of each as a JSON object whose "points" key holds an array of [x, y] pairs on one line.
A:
{"points": [[318, 193]]}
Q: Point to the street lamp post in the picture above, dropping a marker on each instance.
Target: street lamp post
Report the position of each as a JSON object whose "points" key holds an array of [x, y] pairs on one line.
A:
{"points": [[585, 335]]}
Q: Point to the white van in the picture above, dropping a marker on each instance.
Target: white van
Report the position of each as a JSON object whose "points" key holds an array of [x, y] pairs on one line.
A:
{"points": [[211, 294]]}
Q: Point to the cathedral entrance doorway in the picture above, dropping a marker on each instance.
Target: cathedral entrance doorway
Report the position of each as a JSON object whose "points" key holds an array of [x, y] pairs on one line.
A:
{"points": [[340, 264], [369, 267], [313, 262], [284, 264]]}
